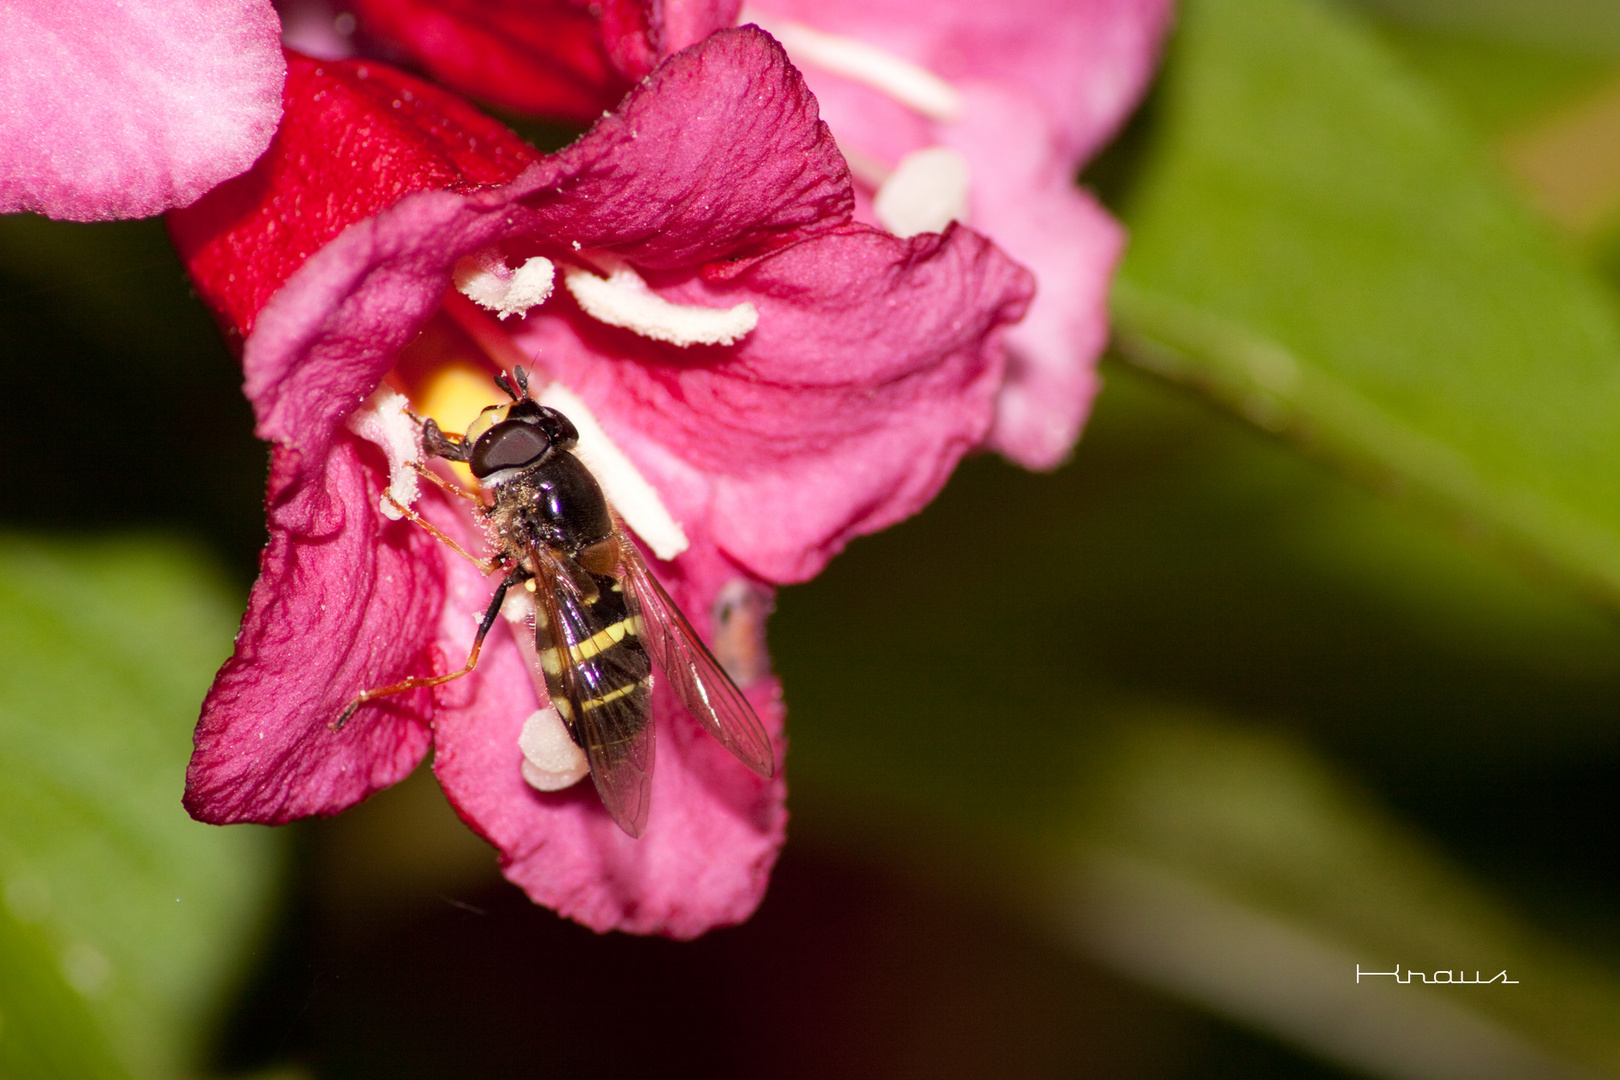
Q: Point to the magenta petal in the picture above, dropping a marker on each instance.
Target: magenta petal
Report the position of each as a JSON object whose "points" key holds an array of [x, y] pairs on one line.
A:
{"points": [[127, 108], [719, 149], [344, 600], [872, 372], [715, 827]]}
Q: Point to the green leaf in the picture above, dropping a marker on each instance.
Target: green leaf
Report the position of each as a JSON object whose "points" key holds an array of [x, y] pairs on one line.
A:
{"points": [[125, 920], [1498, 86], [1582, 27], [1317, 245], [46, 1029]]}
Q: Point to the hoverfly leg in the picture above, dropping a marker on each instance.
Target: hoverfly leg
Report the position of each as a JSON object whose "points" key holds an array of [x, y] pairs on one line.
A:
{"points": [[485, 566], [492, 613], [446, 485]]}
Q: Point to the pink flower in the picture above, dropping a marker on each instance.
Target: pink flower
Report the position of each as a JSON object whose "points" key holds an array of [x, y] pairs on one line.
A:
{"points": [[125, 108], [945, 109], [782, 377]]}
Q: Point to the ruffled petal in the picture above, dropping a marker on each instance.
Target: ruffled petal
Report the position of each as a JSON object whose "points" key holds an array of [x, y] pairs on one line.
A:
{"points": [[720, 150], [718, 153], [126, 108], [345, 600]]}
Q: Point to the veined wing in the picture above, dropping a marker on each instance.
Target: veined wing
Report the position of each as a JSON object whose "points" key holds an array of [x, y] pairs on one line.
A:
{"points": [[699, 681], [597, 673]]}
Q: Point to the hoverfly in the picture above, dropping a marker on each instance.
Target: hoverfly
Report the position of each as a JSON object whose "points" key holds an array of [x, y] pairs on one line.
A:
{"points": [[601, 620]]}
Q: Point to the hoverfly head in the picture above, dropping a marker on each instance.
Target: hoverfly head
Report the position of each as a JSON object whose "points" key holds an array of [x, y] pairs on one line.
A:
{"points": [[507, 438]]}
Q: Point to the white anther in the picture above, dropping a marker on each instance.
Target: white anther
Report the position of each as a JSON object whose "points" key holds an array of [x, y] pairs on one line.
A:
{"points": [[551, 761], [926, 192], [383, 420], [632, 496], [485, 279], [912, 85], [622, 299]]}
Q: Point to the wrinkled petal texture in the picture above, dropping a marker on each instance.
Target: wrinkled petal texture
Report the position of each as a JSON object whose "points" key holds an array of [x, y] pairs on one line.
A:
{"points": [[126, 108], [344, 600], [566, 59], [1043, 85], [873, 369]]}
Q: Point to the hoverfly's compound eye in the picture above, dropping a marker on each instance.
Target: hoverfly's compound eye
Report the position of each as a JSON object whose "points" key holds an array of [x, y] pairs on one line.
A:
{"points": [[511, 444]]}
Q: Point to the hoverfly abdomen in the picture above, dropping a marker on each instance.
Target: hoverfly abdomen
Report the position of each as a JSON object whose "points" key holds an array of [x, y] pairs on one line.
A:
{"points": [[596, 662]]}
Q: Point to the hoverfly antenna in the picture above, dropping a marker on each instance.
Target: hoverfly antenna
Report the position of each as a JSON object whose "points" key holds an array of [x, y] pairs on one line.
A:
{"points": [[516, 387]]}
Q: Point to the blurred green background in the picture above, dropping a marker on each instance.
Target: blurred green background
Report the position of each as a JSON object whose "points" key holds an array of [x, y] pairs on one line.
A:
{"points": [[1308, 660]]}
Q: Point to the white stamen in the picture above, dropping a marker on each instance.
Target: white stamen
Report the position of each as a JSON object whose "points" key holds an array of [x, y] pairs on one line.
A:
{"points": [[485, 279], [926, 192], [632, 496], [551, 761], [623, 299], [912, 85], [383, 420]]}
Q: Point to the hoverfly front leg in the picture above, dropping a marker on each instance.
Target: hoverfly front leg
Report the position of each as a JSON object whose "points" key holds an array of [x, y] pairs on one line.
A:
{"points": [[415, 682], [435, 443], [446, 485], [485, 566]]}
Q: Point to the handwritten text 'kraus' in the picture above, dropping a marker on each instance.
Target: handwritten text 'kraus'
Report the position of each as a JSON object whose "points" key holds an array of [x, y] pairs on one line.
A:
{"points": [[1434, 976]]}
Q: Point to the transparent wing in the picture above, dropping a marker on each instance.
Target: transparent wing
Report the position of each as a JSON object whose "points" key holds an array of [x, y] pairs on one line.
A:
{"points": [[699, 681], [614, 728]]}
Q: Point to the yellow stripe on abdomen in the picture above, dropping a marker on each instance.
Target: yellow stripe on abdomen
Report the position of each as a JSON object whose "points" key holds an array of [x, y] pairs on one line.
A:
{"points": [[611, 696], [604, 639]]}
